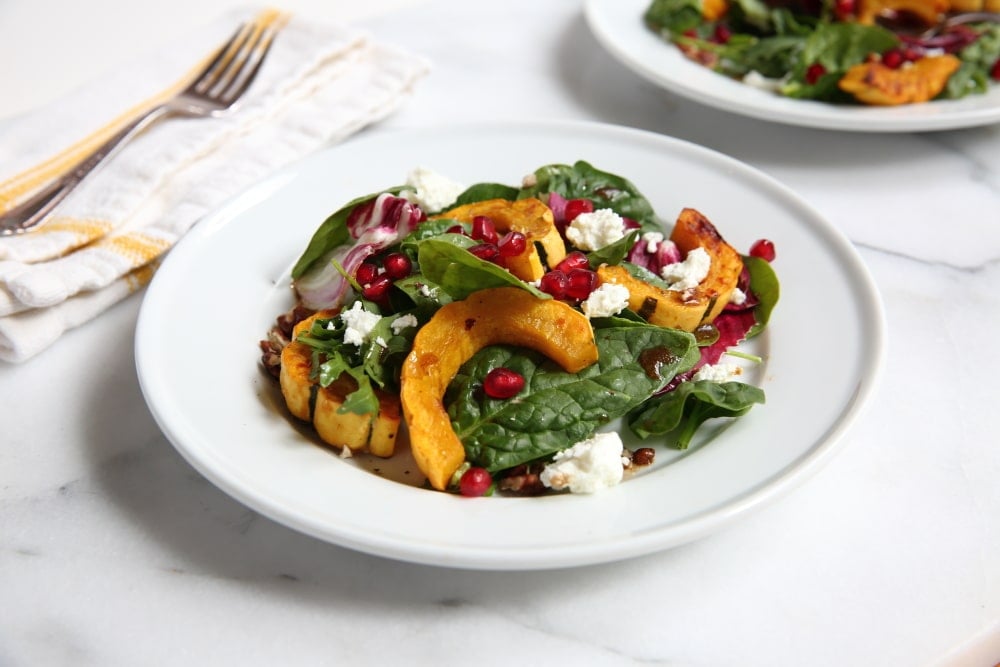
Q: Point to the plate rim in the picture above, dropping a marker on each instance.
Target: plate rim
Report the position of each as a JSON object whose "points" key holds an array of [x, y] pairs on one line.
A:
{"points": [[530, 559], [701, 85]]}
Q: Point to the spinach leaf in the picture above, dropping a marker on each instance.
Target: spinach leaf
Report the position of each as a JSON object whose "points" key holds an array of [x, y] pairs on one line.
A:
{"points": [[333, 232], [837, 47], [483, 191], [973, 75], [460, 273], [605, 190], [557, 409], [682, 411], [764, 284], [613, 253]]}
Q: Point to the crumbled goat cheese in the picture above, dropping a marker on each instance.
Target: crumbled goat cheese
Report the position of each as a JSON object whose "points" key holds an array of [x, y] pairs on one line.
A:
{"points": [[429, 292], [755, 79], [652, 241], [359, 324], [689, 273], [529, 181], [588, 466], [433, 191], [345, 452], [738, 297], [403, 322], [607, 300], [590, 231], [718, 373]]}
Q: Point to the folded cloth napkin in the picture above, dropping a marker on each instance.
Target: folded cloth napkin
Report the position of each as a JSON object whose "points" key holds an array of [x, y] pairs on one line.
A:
{"points": [[319, 84]]}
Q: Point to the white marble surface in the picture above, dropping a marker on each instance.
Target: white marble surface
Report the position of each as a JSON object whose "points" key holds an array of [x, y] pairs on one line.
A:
{"points": [[113, 551]]}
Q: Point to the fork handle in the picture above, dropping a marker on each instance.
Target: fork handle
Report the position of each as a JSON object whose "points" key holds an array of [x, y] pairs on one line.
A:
{"points": [[31, 212]]}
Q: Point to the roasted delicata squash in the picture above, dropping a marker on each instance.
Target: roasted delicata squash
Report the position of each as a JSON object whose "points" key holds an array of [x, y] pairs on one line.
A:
{"points": [[320, 406], [920, 81], [926, 12], [530, 217], [502, 315], [685, 310], [713, 10]]}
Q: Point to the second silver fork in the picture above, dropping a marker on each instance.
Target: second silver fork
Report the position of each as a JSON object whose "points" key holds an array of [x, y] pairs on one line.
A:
{"points": [[214, 91]]}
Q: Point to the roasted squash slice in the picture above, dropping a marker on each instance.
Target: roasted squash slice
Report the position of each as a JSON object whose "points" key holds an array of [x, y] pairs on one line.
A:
{"points": [[926, 12], [713, 10], [688, 309], [920, 81], [456, 332], [309, 402], [529, 216]]}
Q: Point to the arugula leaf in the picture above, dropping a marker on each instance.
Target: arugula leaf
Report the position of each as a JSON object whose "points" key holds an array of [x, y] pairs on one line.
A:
{"points": [[557, 409], [605, 190], [460, 273], [673, 16], [333, 232], [682, 411], [837, 47]]}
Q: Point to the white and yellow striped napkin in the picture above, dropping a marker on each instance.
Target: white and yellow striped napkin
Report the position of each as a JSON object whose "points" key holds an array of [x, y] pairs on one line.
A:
{"points": [[319, 84]]}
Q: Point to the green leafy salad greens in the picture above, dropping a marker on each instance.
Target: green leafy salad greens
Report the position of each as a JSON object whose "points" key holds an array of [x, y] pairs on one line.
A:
{"points": [[645, 373], [804, 48]]}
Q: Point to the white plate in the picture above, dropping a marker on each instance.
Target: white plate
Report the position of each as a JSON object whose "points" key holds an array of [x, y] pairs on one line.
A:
{"points": [[221, 287], [619, 27]]}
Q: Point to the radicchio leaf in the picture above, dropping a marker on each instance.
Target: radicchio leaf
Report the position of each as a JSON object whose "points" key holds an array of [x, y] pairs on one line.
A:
{"points": [[374, 225]]}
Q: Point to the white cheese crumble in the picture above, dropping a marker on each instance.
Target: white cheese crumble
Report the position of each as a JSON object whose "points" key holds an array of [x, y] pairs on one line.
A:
{"points": [[607, 300], [359, 324], [591, 231], [345, 452], [433, 191], [738, 297], [688, 273], [721, 372], [652, 241], [588, 466], [403, 322], [429, 292], [757, 80]]}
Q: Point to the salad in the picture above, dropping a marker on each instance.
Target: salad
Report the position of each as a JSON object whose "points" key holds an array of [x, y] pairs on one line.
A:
{"points": [[873, 52], [503, 328]]}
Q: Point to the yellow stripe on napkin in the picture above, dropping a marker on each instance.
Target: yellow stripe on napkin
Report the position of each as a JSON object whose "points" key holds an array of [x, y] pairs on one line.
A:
{"points": [[16, 188]]}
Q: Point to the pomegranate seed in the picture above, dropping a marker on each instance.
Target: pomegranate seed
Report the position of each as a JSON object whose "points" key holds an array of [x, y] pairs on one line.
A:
{"points": [[995, 71], [366, 273], [513, 244], [457, 229], [487, 251], [484, 230], [893, 58], [843, 8], [722, 33], [397, 265], [629, 223], [912, 54], [763, 249], [475, 482], [378, 289], [554, 283], [814, 72], [503, 383], [574, 260], [580, 283], [575, 207]]}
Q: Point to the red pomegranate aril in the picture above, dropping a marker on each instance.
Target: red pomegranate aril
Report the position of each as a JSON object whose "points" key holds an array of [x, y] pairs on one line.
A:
{"points": [[457, 229], [580, 283], [475, 482], [814, 72], [484, 230], [513, 244], [630, 224], [575, 207], [722, 33], [574, 260], [843, 8], [366, 273], [397, 265], [995, 71], [503, 383], [378, 289], [893, 58], [554, 284], [487, 251], [763, 249]]}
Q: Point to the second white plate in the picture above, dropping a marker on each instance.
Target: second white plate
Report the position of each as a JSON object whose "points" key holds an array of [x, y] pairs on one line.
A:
{"points": [[619, 27], [220, 289]]}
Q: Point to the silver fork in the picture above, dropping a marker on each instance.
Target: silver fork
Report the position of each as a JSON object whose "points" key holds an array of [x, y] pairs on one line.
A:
{"points": [[213, 92]]}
